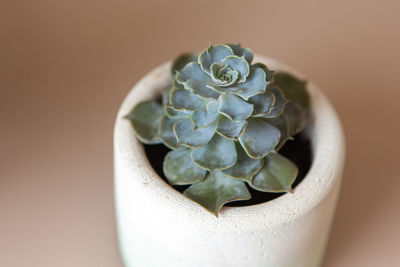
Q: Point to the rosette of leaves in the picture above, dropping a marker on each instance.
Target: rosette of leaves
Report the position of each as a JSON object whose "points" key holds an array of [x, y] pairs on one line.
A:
{"points": [[225, 119]]}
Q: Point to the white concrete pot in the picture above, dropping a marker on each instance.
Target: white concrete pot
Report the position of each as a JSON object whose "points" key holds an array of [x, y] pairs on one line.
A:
{"points": [[159, 227]]}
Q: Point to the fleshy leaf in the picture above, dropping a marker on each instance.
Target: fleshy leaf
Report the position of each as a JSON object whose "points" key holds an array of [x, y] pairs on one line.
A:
{"points": [[205, 115], [181, 99], [238, 64], [195, 80], [223, 75], [187, 135], [165, 104], [167, 134], [224, 90], [297, 117], [255, 84], [293, 88], [218, 154], [279, 105], [213, 54], [201, 89], [263, 103], [145, 118], [281, 122], [277, 175], [229, 128], [239, 51], [179, 168], [269, 74], [259, 138], [168, 110], [191, 71], [216, 190], [235, 108], [245, 167], [181, 61]]}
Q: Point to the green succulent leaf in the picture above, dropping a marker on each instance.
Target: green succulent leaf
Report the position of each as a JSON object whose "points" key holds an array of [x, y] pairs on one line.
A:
{"points": [[262, 103], [145, 118], [179, 168], [282, 123], [216, 190], [171, 113], [201, 89], [255, 84], [224, 90], [181, 61], [297, 117], [245, 167], [181, 99], [235, 108], [269, 74], [239, 51], [279, 105], [259, 138], [213, 54], [167, 134], [230, 129], [277, 175], [293, 88], [223, 75], [168, 110], [188, 135], [194, 79], [205, 115], [176, 84], [218, 154], [191, 71], [238, 64]]}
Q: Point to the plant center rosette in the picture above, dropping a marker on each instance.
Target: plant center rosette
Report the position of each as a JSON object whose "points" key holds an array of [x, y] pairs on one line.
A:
{"points": [[225, 120]]}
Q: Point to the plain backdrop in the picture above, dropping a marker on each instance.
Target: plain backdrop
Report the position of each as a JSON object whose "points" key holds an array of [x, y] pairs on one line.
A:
{"points": [[65, 67]]}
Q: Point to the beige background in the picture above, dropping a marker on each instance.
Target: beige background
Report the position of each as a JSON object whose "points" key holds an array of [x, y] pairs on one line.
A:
{"points": [[65, 67]]}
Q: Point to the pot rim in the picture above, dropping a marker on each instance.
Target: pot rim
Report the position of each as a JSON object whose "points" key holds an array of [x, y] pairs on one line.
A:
{"points": [[328, 151]]}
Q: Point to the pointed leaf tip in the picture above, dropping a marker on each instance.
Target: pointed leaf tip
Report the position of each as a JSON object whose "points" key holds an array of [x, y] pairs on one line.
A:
{"points": [[277, 175], [216, 190], [145, 118]]}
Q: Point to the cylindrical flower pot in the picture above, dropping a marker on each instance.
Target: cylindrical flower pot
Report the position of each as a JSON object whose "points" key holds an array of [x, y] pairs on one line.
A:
{"points": [[159, 227]]}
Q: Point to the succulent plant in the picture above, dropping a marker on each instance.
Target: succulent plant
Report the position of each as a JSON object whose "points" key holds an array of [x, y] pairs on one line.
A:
{"points": [[225, 119]]}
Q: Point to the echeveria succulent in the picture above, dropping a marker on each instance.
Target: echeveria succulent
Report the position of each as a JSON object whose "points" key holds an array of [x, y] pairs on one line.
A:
{"points": [[224, 120]]}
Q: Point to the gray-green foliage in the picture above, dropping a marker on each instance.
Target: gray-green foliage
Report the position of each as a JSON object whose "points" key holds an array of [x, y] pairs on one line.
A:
{"points": [[225, 119]]}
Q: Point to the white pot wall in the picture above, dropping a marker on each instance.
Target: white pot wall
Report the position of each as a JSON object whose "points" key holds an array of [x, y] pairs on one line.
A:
{"points": [[159, 227]]}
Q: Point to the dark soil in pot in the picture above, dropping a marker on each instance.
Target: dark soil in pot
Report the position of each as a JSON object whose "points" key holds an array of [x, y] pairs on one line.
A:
{"points": [[297, 150]]}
